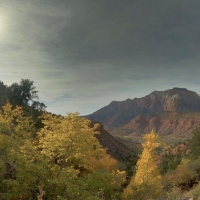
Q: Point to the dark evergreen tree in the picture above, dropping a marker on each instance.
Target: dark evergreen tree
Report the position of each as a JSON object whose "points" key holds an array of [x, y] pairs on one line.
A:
{"points": [[3, 95], [169, 161], [21, 94], [36, 110], [194, 145]]}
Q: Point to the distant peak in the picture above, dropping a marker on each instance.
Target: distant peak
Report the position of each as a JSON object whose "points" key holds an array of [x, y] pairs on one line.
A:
{"points": [[177, 88]]}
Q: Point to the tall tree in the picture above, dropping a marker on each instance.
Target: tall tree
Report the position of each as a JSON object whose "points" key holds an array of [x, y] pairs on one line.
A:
{"points": [[67, 140], [146, 184], [2, 93], [194, 145], [20, 94]]}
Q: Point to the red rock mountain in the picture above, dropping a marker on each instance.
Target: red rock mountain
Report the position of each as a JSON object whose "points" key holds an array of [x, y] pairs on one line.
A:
{"points": [[171, 112], [178, 125]]}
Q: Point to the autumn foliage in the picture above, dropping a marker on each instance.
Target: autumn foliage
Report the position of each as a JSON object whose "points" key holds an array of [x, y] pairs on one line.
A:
{"points": [[147, 182], [62, 160]]}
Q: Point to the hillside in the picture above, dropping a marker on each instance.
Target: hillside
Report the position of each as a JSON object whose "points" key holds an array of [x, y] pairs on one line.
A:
{"points": [[115, 147], [170, 125]]}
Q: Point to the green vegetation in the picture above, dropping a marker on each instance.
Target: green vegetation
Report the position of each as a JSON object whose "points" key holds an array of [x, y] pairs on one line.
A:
{"points": [[169, 161], [64, 157], [18, 94], [194, 145], [49, 157], [179, 171], [23, 94]]}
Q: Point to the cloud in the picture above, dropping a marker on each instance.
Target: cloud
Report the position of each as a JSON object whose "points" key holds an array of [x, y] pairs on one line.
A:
{"points": [[132, 30], [82, 54]]}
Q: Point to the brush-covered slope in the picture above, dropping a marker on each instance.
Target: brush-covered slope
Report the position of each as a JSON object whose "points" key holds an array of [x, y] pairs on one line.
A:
{"points": [[114, 146]]}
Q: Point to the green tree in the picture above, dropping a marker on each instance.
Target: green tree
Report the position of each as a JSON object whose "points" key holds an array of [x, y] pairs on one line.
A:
{"points": [[20, 94], [169, 161], [194, 144], [3, 96], [36, 110]]}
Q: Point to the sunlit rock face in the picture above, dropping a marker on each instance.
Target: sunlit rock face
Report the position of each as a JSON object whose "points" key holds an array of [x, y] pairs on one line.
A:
{"points": [[172, 113], [119, 113], [173, 123]]}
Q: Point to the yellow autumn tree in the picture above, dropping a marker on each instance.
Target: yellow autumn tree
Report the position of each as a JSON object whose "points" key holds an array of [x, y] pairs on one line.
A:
{"points": [[69, 141], [15, 129], [147, 182], [64, 157]]}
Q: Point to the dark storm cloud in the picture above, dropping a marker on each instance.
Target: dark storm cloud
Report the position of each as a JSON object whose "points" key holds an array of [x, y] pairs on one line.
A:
{"points": [[111, 30], [82, 54]]}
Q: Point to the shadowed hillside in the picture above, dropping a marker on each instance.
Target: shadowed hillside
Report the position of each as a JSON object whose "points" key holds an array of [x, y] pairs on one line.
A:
{"points": [[115, 147]]}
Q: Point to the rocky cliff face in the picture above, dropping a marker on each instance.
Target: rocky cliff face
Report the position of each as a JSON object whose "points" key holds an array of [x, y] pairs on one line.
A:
{"points": [[176, 99], [172, 113], [179, 124], [119, 113]]}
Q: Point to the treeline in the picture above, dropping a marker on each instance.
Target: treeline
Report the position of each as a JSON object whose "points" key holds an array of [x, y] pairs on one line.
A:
{"points": [[23, 94], [61, 159], [18, 94]]}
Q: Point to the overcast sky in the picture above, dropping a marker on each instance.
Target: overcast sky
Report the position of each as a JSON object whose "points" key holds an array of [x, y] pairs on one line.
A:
{"points": [[83, 54]]}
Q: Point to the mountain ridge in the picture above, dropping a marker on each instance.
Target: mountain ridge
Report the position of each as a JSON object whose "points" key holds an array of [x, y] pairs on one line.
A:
{"points": [[154, 108], [176, 99]]}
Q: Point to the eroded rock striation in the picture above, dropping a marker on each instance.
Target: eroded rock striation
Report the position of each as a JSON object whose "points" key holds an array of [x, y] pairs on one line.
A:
{"points": [[165, 123], [173, 111]]}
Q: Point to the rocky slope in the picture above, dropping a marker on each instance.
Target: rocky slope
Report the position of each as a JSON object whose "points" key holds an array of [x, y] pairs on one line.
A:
{"points": [[179, 124], [172, 113]]}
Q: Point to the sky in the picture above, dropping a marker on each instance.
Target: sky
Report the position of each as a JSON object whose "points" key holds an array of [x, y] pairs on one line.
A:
{"points": [[83, 54]]}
